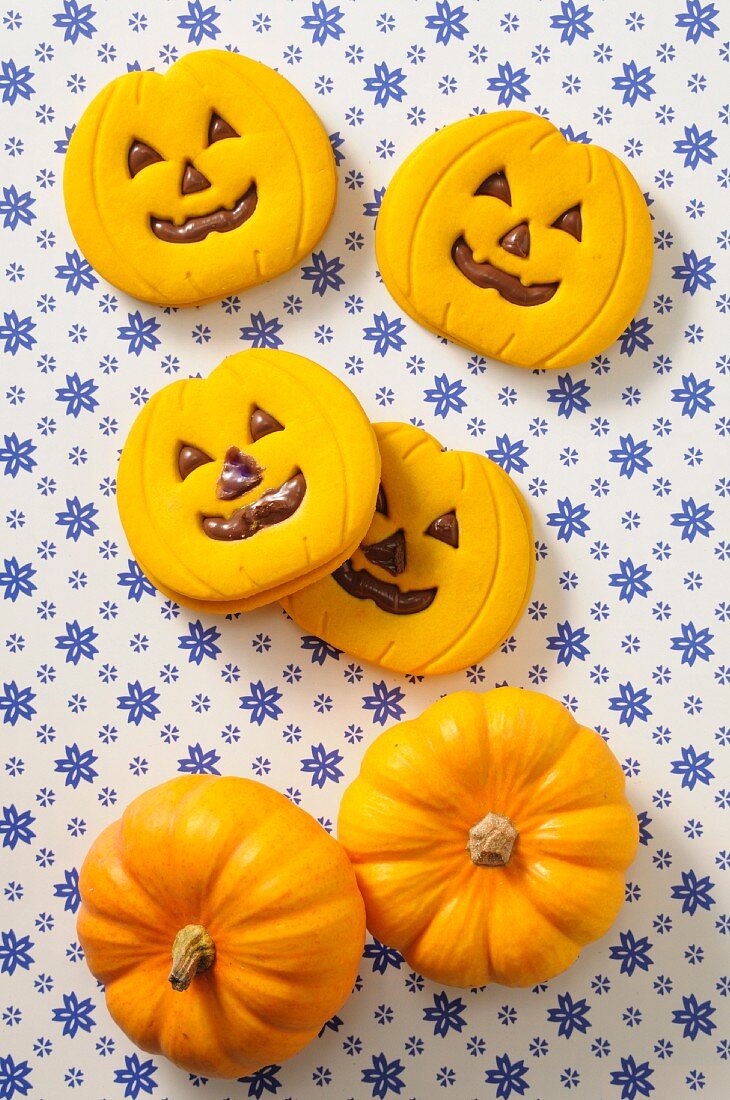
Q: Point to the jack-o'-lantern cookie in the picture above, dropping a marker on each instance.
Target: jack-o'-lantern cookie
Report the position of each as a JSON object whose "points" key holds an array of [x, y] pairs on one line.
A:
{"points": [[238, 489], [187, 186], [445, 570], [500, 235]]}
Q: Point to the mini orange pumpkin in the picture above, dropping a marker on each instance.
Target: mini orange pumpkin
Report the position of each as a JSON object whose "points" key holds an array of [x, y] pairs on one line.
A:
{"points": [[256, 903], [489, 838]]}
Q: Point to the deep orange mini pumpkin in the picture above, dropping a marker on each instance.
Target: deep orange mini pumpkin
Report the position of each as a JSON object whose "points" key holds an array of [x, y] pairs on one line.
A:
{"points": [[223, 921], [490, 838]]}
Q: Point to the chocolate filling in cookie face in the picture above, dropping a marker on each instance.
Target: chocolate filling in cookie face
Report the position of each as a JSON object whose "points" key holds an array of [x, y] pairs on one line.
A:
{"points": [[390, 554]]}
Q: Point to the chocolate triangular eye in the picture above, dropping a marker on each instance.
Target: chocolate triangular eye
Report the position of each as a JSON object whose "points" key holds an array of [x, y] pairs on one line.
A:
{"points": [[220, 129], [445, 529], [263, 423], [381, 503], [571, 222], [141, 156], [190, 458], [497, 187]]}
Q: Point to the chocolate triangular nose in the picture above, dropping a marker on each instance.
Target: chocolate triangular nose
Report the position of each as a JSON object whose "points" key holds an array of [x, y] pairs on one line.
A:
{"points": [[517, 241], [193, 180], [389, 553]]}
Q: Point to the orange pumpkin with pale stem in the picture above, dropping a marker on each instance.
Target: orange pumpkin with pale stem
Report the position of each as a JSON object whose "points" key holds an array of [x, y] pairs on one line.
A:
{"points": [[489, 838], [250, 901]]}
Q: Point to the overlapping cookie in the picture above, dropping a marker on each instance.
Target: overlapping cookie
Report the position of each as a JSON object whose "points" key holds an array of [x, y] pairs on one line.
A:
{"points": [[189, 186], [444, 571], [240, 488], [500, 235]]}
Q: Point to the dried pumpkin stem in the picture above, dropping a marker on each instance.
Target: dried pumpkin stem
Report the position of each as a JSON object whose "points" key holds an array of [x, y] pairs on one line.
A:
{"points": [[193, 951], [491, 841]]}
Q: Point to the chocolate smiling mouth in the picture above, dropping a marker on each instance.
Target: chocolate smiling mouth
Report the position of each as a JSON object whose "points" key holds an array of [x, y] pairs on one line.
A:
{"points": [[388, 597], [272, 507], [218, 221], [489, 277]]}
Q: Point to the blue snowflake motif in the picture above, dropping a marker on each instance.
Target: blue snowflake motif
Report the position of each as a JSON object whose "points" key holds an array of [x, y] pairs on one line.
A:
{"points": [[694, 273], [635, 83], [139, 333], [320, 650], [199, 762], [572, 22], [694, 767], [511, 84], [200, 642], [15, 826], [570, 396], [261, 703], [382, 956], [631, 580], [17, 455], [76, 22], [631, 456], [694, 395], [569, 643], [14, 1077], [445, 1015], [15, 952], [322, 765], [15, 579], [324, 23], [75, 1015], [387, 84], [693, 520], [384, 334], [508, 455], [77, 766], [384, 703], [445, 396], [15, 82], [16, 333], [139, 703], [262, 333], [200, 22], [16, 702], [635, 336], [693, 644], [696, 148], [134, 580], [694, 893], [323, 274], [77, 642], [633, 1079], [694, 1018], [698, 20], [508, 1076], [77, 273], [69, 891], [78, 519], [448, 22], [569, 520], [15, 209], [631, 704], [570, 1015], [263, 1080], [78, 395], [633, 954], [384, 1076], [137, 1077]]}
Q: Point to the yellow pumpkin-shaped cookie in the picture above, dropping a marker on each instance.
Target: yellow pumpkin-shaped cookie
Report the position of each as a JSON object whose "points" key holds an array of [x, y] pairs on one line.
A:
{"points": [[489, 838], [223, 921], [237, 489], [500, 235], [189, 186], [444, 571]]}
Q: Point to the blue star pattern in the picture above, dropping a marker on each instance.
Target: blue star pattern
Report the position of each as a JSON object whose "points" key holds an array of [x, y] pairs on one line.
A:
{"points": [[107, 687]]}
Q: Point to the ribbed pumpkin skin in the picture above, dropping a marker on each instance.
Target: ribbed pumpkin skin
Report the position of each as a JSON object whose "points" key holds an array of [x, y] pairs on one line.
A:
{"points": [[275, 892], [405, 821]]}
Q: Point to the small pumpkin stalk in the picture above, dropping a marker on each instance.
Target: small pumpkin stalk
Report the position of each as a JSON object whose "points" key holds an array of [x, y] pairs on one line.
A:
{"points": [[193, 951], [491, 841]]}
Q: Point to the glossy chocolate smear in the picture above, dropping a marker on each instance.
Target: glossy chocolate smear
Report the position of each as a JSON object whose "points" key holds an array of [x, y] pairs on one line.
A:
{"points": [[489, 277], [263, 423], [218, 221], [386, 596], [389, 553], [190, 458], [445, 529], [381, 502], [271, 508], [240, 474]]}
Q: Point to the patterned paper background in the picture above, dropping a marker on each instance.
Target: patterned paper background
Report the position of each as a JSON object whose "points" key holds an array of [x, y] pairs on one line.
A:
{"points": [[108, 688]]}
